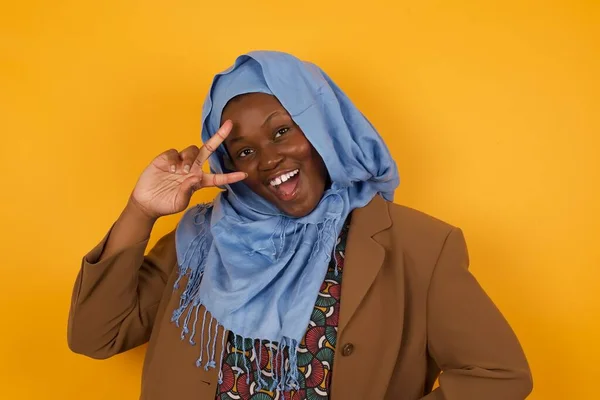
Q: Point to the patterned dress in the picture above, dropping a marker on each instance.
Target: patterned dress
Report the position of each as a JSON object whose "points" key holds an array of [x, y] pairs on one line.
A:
{"points": [[241, 375]]}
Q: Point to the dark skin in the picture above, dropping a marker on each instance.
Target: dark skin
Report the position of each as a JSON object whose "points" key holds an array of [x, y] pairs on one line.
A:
{"points": [[266, 144]]}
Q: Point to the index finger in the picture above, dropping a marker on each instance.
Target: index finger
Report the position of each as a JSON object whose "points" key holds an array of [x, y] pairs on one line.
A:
{"points": [[211, 145]]}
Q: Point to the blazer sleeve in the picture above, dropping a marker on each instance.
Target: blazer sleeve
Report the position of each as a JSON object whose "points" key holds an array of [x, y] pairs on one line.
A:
{"points": [[115, 300], [469, 339]]}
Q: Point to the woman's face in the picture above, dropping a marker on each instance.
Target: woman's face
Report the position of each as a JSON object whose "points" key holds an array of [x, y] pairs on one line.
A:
{"points": [[282, 165]]}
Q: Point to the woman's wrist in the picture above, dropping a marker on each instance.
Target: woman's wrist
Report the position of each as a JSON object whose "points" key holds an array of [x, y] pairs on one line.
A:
{"points": [[138, 213]]}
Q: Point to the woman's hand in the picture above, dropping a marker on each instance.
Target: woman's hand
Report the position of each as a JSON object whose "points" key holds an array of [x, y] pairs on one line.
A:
{"points": [[167, 184]]}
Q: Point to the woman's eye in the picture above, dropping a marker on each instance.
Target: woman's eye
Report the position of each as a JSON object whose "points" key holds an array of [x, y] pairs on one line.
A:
{"points": [[244, 153], [281, 131]]}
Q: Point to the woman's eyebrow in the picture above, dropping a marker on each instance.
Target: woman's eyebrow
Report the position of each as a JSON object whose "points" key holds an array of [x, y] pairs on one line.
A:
{"points": [[274, 113]]}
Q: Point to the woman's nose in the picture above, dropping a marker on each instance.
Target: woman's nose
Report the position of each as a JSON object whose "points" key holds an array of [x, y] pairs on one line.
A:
{"points": [[270, 158]]}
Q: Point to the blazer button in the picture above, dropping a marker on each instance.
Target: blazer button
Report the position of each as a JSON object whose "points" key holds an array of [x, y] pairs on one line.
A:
{"points": [[347, 349]]}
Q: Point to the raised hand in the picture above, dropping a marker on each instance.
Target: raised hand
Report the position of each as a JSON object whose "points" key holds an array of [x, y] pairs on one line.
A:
{"points": [[167, 184]]}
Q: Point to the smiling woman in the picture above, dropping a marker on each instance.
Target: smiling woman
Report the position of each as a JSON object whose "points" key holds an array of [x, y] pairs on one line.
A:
{"points": [[265, 143], [302, 279]]}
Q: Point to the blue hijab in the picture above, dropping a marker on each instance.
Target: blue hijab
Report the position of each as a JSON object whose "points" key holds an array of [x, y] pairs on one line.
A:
{"points": [[256, 270]]}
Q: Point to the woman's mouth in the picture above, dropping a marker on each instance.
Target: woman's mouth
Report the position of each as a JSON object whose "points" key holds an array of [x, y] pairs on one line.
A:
{"points": [[285, 186]]}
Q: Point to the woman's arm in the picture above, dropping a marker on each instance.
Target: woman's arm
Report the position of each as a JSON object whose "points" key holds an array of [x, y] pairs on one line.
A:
{"points": [[118, 289], [477, 351]]}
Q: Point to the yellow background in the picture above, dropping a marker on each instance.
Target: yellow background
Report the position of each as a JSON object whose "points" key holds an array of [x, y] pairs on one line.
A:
{"points": [[491, 110]]}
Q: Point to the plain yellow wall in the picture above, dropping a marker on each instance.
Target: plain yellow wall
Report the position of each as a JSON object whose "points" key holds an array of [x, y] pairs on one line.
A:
{"points": [[490, 109]]}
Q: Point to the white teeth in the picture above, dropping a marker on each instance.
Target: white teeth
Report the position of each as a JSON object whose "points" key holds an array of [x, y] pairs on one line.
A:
{"points": [[283, 177]]}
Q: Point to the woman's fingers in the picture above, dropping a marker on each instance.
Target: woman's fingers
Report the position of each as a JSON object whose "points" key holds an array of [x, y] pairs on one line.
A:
{"points": [[211, 145], [180, 162], [173, 160], [188, 155], [195, 182], [222, 179]]}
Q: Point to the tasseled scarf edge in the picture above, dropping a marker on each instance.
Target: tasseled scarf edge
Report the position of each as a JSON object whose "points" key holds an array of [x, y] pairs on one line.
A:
{"points": [[285, 378]]}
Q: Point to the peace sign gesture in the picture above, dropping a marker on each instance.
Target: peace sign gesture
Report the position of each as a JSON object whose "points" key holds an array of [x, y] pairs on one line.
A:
{"points": [[167, 184]]}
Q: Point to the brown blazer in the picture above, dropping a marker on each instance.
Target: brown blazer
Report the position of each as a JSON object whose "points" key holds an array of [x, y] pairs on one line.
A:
{"points": [[409, 308]]}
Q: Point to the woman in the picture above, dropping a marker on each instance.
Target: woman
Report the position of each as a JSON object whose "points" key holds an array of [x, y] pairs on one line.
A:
{"points": [[302, 280]]}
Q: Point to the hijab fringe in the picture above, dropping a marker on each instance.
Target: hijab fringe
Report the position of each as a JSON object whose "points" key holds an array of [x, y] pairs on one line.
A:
{"points": [[284, 369]]}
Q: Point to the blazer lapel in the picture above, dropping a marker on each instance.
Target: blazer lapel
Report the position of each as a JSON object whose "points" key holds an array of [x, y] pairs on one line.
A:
{"points": [[364, 256]]}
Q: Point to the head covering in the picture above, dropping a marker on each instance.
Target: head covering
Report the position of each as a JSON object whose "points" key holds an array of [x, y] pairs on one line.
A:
{"points": [[256, 270]]}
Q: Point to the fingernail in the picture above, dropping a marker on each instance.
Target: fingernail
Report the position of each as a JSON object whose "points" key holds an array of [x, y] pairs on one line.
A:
{"points": [[186, 168], [173, 168]]}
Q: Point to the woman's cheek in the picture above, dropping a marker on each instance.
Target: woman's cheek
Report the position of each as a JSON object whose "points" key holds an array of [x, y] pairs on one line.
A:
{"points": [[301, 150]]}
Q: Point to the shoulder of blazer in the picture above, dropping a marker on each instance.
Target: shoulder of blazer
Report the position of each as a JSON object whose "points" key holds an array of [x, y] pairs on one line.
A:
{"points": [[415, 221], [417, 235]]}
